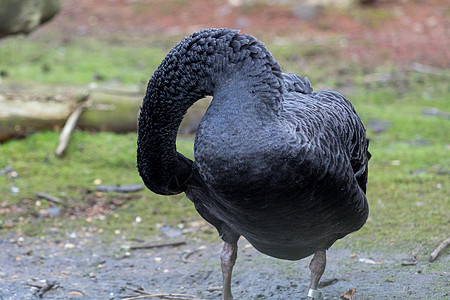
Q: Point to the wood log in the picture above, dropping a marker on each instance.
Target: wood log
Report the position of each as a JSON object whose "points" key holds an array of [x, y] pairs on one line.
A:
{"points": [[24, 109], [19, 117], [108, 112]]}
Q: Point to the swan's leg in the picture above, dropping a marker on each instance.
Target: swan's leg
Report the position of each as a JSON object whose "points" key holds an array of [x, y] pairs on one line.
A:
{"points": [[228, 258], [317, 267]]}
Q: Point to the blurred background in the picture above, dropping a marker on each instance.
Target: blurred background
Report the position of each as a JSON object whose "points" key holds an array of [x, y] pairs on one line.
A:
{"points": [[92, 60], [117, 45]]}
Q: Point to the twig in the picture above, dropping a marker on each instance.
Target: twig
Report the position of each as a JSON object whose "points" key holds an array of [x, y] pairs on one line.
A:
{"points": [[165, 296], [138, 291], [185, 257], [49, 197], [409, 262], [172, 244], [438, 250], [126, 188], [187, 254], [41, 290], [328, 282], [68, 128], [34, 285]]}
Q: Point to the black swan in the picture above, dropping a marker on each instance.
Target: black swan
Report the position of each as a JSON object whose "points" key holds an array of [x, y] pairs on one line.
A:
{"points": [[275, 162]]}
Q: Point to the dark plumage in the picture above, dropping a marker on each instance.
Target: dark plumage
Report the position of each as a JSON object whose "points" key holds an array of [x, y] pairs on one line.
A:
{"points": [[275, 162]]}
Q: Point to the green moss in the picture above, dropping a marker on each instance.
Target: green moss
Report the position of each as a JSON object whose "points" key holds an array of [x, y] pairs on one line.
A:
{"points": [[77, 62], [104, 156]]}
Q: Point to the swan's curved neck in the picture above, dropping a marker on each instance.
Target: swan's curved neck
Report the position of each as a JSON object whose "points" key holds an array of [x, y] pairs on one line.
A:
{"points": [[194, 68]]}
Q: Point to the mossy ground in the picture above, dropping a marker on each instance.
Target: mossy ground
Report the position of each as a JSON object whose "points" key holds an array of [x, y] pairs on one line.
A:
{"points": [[107, 157], [78, 61]]}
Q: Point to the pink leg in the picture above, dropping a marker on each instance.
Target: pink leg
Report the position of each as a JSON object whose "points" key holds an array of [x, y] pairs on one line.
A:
{"points": [[317, 267], [228, 258]]}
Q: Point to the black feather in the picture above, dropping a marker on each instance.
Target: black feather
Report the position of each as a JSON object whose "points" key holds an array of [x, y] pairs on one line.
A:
{"points": [[275, 161]]}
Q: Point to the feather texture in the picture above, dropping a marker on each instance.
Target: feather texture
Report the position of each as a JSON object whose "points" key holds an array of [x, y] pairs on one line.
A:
{"points": [[276, 162]]}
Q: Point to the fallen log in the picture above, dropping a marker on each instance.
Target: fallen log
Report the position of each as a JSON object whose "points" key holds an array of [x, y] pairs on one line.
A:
{"points": [[25, 110], [110, 112], [28, 109]]}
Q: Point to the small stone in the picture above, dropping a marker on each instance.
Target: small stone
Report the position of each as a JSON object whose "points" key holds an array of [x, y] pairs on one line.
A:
{"points": [[369, 261], [171, 232], [6, 170], [53, 211], [379, 126], [69, 246], [15, 190]]}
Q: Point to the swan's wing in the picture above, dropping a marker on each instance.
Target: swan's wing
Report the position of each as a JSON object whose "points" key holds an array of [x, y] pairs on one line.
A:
{"points": [[327, 121], [353, 135], [295, 83]]}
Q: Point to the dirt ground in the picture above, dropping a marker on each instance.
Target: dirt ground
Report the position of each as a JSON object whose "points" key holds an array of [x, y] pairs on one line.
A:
{"points": [[83, 268]]}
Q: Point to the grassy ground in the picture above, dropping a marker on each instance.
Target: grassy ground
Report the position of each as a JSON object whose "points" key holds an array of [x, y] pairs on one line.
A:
{"points": [[78, 61], [90, 159], [409, 171]]}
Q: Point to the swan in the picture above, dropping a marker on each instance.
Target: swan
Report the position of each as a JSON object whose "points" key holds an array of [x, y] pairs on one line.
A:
{"points": [[275, 162]]}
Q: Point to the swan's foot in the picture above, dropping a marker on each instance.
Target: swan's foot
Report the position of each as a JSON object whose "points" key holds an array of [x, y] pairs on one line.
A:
{"points": [[317, 267], [228, 258]]}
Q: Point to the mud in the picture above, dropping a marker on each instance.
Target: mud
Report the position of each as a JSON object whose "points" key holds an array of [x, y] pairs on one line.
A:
{"points": [[86, 268]]}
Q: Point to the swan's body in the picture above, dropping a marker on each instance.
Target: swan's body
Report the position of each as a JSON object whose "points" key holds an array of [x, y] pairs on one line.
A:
{"points": [[275, 162]]}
